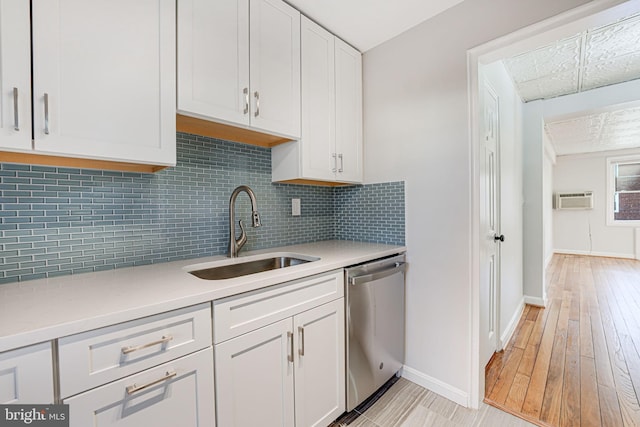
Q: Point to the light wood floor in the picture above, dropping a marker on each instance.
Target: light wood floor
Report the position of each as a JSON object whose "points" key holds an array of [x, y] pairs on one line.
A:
{"points": [[406, 404], [577, 362]]}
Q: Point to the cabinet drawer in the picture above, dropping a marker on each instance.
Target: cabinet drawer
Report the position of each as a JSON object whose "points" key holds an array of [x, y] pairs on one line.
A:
{"points": [[26, 375], [96, 357], [177, 393], [243, 313]]}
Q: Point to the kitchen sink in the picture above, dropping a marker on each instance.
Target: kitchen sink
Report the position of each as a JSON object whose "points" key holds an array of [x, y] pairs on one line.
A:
{"points": [[238, 267]]}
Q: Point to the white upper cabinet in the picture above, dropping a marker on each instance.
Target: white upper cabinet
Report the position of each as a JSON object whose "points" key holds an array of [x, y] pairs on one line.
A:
{"points": [[330, 148], [239, 63], [275, 67], [104, 79], [318, 100], [213, 59], [15, 72], [348, 113]]}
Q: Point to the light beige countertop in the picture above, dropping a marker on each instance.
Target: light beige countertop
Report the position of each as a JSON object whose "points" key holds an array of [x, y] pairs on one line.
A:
{"points": [[45, 309]]}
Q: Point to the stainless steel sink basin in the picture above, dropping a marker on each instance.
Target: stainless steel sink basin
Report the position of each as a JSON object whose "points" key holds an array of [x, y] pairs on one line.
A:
{"points": [[250, 266]]}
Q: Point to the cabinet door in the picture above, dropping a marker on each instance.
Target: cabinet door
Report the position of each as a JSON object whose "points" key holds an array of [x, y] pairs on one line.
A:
{"points": [[348, 113], [26, 375], [318, 102], [178, 393], [275, 67], [104, 79], [254, 378], [213, 59], [15, 75], [320, 364]]}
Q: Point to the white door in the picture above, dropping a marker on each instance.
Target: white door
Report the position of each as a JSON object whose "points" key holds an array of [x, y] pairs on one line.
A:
{"points": [[489, 226], [318, 102], [254, 378], [104, 79], [15, 75], [213, 59], [275, 67], [177, 393], [320, 364], [348, 113]]}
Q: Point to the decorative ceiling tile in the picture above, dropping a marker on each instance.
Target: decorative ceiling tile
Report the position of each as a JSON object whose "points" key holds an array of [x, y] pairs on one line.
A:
{"points": [[597, 57], [614, 70], [547, 61], [604, 131]]}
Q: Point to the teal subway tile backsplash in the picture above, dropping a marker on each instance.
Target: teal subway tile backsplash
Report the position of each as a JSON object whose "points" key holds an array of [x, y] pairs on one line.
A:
{"points": [[60, 221]]}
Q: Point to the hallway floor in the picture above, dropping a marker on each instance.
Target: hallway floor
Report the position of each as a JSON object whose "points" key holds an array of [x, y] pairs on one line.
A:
{"points": [[577, 362]]}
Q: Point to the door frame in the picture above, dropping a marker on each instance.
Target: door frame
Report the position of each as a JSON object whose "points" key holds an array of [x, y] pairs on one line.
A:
{"points": [[560, 26]]}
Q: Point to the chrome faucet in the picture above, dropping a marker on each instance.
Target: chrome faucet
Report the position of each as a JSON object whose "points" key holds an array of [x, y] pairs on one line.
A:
{"points": [[236, 245]]}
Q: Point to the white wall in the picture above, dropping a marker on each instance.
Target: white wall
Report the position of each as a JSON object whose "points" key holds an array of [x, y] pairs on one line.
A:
{"points": [[547, 199], [586, 231], [534, 274], [416, 129], [511, 198]]}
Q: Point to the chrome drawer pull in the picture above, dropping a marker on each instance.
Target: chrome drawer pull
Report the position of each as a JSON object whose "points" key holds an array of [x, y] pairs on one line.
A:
{"points": [[341, 163], [46, 114], [16, 121], [163, 340], [257, 96], [135, 388], [301, 330], [335, 163], [246, 100], [290, 339]]}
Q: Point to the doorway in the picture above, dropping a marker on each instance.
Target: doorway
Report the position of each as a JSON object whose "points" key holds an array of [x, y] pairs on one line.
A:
{"points": [[532, 242]]}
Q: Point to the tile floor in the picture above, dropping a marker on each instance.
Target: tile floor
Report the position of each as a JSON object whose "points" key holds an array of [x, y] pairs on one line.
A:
{"points": [[406, 404]]}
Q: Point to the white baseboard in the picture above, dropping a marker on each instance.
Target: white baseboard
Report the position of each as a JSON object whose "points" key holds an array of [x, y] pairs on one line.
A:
{"points": [[511, 327], [537, 301], [588, 253], [443, 389]]}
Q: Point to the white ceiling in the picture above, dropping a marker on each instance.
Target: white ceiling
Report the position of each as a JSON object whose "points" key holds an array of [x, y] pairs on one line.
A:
{"points": [[597, 57], [368, 23], [615, 129]]}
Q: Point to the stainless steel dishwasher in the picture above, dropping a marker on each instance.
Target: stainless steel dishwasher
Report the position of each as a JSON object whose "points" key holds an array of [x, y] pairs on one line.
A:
{"points": [[375, 325]]}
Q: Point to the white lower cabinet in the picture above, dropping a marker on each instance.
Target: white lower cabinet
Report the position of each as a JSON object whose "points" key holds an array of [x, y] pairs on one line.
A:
{"points": [[288, 373], [177, 393], [26, 375], [319, 364], [254, 378]]}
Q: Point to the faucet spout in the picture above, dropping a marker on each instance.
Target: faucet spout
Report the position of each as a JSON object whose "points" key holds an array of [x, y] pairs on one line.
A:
{"points": [[236, 244]]}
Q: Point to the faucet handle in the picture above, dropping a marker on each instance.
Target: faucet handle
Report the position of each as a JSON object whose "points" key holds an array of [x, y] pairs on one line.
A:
{"points": [[255, 218], [243, 236]]}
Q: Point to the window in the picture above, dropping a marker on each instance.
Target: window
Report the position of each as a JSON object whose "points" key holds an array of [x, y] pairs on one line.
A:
{"points": [[624, 191]]}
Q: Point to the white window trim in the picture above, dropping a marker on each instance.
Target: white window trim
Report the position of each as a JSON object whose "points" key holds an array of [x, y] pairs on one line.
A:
{"points": [[611, 182]]}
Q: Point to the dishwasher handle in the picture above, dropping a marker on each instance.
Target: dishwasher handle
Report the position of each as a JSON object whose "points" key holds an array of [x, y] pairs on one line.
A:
{"points": [[398, 267]]}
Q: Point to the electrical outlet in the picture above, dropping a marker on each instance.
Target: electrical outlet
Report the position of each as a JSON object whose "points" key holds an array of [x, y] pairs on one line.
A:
{"points": [[295, 207]]}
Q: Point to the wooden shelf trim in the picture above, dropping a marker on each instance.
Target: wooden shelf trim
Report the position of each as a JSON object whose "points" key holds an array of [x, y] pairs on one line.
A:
{"points": [[202, 127], [58, 161]]}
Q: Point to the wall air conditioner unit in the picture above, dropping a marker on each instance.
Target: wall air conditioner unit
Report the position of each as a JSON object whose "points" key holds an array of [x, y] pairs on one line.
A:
{"points": [[577, 200]]}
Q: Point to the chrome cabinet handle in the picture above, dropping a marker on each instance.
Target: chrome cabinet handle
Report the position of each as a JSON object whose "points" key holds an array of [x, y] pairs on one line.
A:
{"points": [[136, 388], [246, 100], [334, 169], [46, 114], [301, 331], [163, 340], [341, 163], [290, 352], [257, 96], [16, 121]]}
